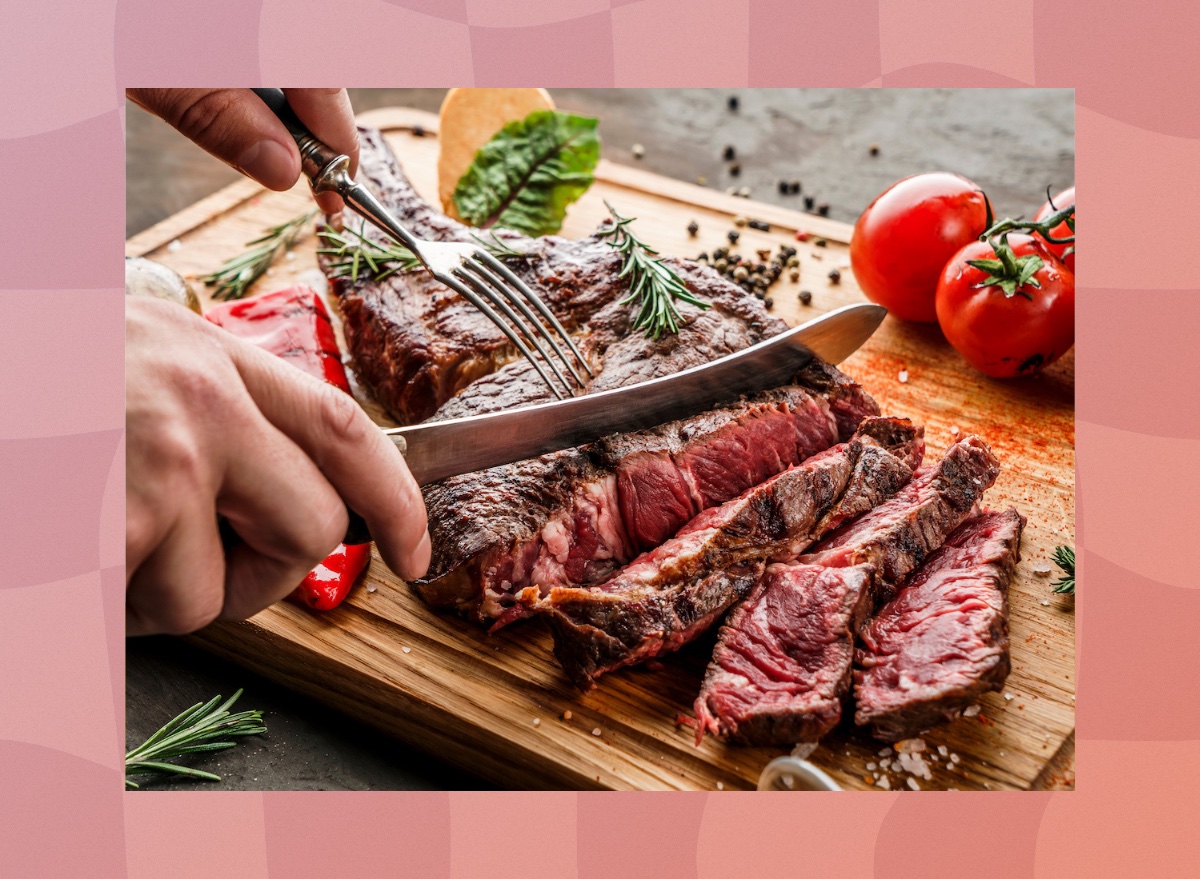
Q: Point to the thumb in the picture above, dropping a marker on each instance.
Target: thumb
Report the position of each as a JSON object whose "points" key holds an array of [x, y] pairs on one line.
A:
{"points": [[233, 125]]}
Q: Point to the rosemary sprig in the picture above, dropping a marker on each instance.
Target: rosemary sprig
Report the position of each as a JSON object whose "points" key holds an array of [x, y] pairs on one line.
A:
{"points": [[192, 732], [652, 283], [352, 254], [1064, 557], [235, 275]]}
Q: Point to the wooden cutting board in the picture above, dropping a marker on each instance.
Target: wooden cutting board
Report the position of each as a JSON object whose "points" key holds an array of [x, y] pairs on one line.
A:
{"points": [[500, 706]]}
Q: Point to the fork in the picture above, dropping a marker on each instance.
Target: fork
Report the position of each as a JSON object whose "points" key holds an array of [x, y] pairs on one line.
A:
{"points": [[467, 269]]}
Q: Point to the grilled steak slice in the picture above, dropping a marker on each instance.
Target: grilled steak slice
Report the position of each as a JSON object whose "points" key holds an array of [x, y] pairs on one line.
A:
{"points": [[783, 659], [416, 343], [896, 536], [943, 640], [667, 596], [574, 517]]}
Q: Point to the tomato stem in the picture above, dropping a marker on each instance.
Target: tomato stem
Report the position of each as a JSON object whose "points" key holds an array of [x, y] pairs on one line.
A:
{"points": [[1066, 215]]}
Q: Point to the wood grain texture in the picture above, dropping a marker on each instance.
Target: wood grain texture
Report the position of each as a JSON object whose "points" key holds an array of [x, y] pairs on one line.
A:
{"points": [[474, 698]]}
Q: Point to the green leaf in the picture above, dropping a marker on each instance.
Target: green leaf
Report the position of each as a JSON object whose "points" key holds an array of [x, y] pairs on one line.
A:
{"points": [[529, 172]]}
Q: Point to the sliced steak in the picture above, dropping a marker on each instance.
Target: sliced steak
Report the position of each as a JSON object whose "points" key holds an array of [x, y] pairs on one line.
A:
{"points": [[897, 536], [416, 343], [943, 640], [667, 596], [784, 657], [574, 517]]}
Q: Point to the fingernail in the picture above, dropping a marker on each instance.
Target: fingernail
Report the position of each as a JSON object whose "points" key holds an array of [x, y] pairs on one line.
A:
{"points": [[419, 560], [270, 163]]}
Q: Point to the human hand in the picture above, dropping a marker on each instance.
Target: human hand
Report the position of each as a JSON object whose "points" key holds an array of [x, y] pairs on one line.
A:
{"points": [[215, 426], [236, 127]]}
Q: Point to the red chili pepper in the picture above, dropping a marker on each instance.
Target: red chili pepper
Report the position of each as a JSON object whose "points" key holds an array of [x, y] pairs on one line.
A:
{"points": [[294, 324], [329, 582]]}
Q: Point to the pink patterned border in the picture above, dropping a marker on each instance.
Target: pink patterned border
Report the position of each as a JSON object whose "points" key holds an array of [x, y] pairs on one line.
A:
{"points": [[61, 452]]}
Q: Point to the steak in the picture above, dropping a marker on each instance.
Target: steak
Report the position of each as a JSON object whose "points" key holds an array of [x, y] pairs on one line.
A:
{"points": [[666, 597], [784, 657], [574, 517], [943, 640], [416, 343], [896, 536]]}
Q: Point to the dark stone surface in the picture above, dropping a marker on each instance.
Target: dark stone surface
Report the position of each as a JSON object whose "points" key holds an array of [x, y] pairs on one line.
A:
{"points": [[1013, 143]]}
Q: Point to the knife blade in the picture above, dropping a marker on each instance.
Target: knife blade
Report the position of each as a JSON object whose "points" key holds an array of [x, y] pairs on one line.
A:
{"points": [[440, 449]]}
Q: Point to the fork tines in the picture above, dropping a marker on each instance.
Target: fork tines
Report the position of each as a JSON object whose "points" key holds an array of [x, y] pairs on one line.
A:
{"points": [[491, 287]]}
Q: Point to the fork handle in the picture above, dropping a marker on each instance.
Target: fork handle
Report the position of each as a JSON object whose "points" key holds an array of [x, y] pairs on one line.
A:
{"points": [[328, 170], [315, 155]]}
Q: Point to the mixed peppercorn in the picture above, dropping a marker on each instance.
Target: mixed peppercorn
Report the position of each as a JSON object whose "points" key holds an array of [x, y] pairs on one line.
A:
{"points": [[754, 275]]}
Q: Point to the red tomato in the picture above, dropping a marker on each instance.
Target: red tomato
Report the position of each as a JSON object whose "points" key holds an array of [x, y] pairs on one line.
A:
{"points": [[1004, 336], [1062, 230], [904, 237]]}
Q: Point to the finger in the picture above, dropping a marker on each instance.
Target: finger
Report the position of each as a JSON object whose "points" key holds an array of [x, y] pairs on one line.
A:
{"points": [[180, 587], [329, 116], [285, 511], [364, 466], [232, 124]]}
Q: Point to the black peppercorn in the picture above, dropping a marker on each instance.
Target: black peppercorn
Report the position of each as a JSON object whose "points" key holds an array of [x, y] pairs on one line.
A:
{"points": [[805, 297], [874, 150], [760, 225], [794, 187], [734, 169], [769, 303], [733, 235], [783, 187], [794, 275], [809, 201], [835, 277], [821, 242], [703, 257], [730, 154], [418, 131], [823, 210], [693, 227], [721, 253], [733, 102], [763, 255]]}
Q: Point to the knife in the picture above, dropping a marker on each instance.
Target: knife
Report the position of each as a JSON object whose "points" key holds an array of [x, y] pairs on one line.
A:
{"points": [[440, 449]]}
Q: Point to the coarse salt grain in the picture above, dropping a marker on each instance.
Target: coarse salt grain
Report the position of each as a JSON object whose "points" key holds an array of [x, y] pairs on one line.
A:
{"points": [[537, 721], [903, 376], [803, 750], [175, 246], [596, 731], [954, 430], [905, 746], [406, 650], [1045, 602], [884, 783], [720, 785], [971, 711], [289, 256], [954, 758], [1042, 568], [871, 766], [371, 587], [1008, 697], [943, 750], [885, 752], [912, 783]]}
